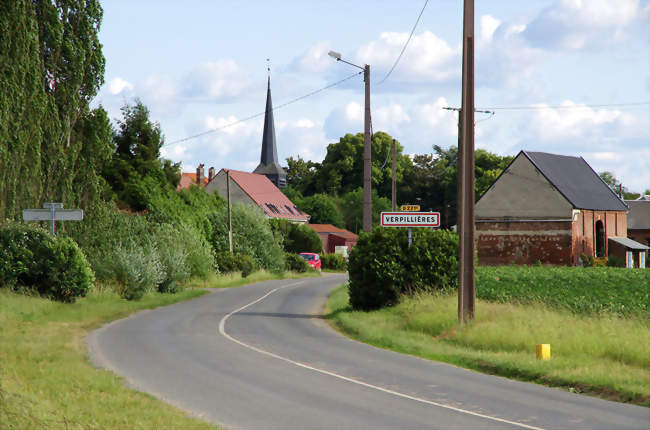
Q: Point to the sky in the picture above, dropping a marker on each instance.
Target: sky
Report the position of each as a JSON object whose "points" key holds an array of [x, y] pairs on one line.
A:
{"points": [[580, 67]]}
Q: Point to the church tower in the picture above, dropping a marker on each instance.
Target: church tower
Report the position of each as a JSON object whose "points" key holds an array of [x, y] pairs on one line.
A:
{"points": [[269, 165]]}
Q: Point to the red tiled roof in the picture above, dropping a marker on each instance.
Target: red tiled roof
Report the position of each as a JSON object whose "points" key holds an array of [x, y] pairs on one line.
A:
{"points": [[188, 179], [267, 195], [329, 228]]}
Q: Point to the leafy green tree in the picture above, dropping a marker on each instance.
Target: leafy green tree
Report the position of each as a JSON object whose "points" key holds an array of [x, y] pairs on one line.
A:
{"points": [[301, 174], [52, 67], [352, 208], [617, 186], [136, 169], [322, 209], [342, 169]]}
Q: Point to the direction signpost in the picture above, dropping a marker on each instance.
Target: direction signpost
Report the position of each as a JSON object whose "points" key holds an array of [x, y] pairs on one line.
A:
{"points": [[53, 212]]}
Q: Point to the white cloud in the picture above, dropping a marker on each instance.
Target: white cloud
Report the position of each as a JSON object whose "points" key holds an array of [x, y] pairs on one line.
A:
{"points": [[577, 24], [314, 59], [342, 120], [217, 80], [426, 59], [488, 24], [117, 85]]}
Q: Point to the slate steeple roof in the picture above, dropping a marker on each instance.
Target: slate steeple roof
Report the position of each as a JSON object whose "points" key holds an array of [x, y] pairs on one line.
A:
{"points": [[269, 165]]}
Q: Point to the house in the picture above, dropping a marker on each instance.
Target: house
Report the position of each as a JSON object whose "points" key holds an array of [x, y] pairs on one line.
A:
{"points": [[332, 236], [638, 220], [197, 178], [256, 190], [548, 208]]}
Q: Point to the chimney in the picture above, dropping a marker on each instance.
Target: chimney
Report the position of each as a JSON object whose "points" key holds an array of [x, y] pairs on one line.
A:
{"points": [[199, 175], [210, 174]]}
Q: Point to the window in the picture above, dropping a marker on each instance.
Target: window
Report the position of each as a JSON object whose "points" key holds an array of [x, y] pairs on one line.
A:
{"points": [[299, 211], [289, 209]]}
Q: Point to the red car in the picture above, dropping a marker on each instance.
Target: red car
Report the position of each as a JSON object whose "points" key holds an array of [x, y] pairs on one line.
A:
{"points": [[312, 259]]}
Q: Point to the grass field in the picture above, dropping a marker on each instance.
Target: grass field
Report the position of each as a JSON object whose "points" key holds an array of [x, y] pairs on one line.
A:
{"points": [[46, 380], [587, 291], [602, 355]]}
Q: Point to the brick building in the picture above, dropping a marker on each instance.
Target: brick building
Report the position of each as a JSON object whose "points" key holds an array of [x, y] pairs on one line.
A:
{"points": [[548, 208], [332, 236]]}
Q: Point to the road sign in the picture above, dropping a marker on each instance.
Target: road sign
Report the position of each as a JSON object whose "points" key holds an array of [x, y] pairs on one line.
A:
{"points": [[409, 208], [410, 219], [53, 212], [59, 215]]}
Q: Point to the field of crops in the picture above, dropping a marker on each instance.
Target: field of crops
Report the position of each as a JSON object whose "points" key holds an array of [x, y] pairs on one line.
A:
{"points": [[588, 291]]}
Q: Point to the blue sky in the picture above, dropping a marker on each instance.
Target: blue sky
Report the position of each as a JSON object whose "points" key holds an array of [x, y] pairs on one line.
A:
{"points": [[201, 65]]}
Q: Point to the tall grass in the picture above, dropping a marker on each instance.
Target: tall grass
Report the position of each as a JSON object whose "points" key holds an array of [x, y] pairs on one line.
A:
{"points": [[604, 355]]}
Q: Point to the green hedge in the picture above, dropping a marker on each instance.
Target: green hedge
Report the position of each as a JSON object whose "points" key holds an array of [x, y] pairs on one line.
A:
{"points": [[53, 266], [296, 238], [228, 263], [295, 263], [333, 262], [382, 266]]}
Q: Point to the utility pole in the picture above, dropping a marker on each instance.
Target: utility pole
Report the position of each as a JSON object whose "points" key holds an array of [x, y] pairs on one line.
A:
{"points": [[229, 210], [394, 178], [367, 201], [466, 293]]}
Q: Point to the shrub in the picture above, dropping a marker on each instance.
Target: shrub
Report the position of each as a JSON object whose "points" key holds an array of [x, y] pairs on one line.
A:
{"points": [[228, 263], [53, 266], [382, 266], [614, 261], [587, 260], [334, 262], [172, 253], [295, 263], [137, 268], [296, 238], [252, 236]]}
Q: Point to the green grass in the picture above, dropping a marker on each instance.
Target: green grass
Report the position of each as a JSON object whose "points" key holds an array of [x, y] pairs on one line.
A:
{"points": [[604, 355], [589, 291]]}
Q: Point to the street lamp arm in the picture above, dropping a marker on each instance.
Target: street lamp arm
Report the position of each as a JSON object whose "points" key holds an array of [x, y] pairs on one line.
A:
{"points": [[351, 64]]}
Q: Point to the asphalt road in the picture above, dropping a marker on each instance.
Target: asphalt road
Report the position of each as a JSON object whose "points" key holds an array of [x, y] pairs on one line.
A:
{"points": [[261, 357]]}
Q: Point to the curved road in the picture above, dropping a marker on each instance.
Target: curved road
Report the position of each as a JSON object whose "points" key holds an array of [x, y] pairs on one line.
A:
{"points": [[260, 357]]}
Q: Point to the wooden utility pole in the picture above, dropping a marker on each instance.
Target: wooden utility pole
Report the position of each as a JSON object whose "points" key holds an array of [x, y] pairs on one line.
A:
{"points": [[229, 210], [367, 151], [394, 178], [466, 293]]}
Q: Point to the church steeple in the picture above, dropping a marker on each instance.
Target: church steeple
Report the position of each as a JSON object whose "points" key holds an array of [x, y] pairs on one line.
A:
{"points": [[269, 165]]}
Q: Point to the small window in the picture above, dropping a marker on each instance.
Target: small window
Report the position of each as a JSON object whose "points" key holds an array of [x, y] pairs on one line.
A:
{"points": [[272, 208], [299, 211], [290, 211]]}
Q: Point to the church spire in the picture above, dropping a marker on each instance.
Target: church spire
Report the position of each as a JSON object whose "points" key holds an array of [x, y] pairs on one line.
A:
{"points": [[269, 165]]}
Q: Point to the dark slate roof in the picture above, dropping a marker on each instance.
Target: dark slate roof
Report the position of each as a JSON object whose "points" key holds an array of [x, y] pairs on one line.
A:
{"points": [[269, 156], [639, 216], [576, 181]]}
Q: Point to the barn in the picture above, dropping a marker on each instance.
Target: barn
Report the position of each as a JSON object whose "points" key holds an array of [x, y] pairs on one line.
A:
{"points": [[548, 208]]}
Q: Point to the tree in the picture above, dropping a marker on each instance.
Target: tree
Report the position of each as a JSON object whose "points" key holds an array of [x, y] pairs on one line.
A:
{"points": [[342, 169], [136, 168], [52, 66], [301, 174], [618, 187], [352, 208], [322, 209]]}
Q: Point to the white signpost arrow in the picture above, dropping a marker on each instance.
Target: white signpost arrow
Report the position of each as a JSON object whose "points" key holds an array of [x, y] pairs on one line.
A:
{"points": [[53, 212]]}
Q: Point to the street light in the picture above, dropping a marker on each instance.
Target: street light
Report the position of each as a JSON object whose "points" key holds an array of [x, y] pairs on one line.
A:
{"points": [[367, 202]]}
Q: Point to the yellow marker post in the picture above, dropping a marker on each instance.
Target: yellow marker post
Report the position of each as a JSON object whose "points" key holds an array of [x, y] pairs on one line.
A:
{"points": [[543, 351]]}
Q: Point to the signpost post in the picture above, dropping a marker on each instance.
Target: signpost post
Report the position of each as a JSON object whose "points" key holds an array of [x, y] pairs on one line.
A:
{"points": [[53, 212]]}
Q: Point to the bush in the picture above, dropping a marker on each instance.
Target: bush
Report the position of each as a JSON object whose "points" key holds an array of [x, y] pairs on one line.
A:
{"points": [[252, 236], [173, 256], [334, 262], [614, 261], [296, 238], [229, 263], [137, 269], [53, 266], [295, 263], [382, 266], [587, 260]]}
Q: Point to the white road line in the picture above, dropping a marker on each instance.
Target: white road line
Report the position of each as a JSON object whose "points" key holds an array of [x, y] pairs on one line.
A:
{"points": [[222, 330]]}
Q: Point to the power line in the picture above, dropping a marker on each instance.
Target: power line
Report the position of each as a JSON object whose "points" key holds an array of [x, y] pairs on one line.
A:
{"points": [[405, 45], [248, 118], [567, 107]]}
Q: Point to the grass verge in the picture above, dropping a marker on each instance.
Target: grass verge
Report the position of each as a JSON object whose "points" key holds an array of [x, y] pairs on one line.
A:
{"points": [[604, 355]]}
